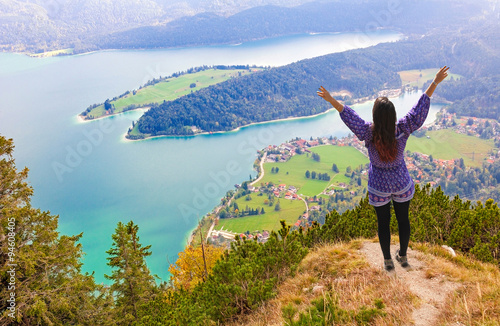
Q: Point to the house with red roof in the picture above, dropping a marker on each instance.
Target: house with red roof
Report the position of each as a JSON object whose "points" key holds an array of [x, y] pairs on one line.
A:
{"points": [[313, 143], [300, 142]]}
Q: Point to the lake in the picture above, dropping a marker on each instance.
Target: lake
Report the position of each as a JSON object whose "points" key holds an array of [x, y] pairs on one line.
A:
{"points": [[92, 178]]}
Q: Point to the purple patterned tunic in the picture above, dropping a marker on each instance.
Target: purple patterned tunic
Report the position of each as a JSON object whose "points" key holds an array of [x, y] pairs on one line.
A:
{"points": [[388, 180]]}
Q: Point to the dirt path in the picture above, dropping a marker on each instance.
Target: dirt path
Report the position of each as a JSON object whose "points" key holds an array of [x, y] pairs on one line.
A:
{"points": [[263, 159], [431, 291]]}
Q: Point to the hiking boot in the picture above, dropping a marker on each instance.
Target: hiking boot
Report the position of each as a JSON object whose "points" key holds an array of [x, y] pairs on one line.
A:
{"points": [[403, 261], [388, 265]]}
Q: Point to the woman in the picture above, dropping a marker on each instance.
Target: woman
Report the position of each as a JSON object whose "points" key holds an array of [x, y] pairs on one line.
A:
{"points": [[388, 177]]}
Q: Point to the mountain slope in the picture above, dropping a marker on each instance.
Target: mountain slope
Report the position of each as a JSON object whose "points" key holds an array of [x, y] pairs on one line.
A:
{"points": [[344, 284], [52, 24]]}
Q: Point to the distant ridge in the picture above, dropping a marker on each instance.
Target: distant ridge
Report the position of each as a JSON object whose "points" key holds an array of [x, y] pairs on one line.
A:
{"points": [[271, 21], [83, 26]]}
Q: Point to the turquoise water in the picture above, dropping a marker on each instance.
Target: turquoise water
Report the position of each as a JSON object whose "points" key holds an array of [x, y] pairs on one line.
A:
{"points": [[92, 178]]}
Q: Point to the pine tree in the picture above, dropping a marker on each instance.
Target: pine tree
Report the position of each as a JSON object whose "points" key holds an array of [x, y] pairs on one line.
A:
{"points": [[41, 268], [132, 280]]}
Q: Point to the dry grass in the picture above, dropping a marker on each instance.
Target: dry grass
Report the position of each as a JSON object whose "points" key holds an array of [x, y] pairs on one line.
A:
{"points": [[477, 301], [345, 277]]}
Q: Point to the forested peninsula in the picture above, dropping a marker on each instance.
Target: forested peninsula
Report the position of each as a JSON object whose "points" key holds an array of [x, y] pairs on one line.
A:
{"points": [[279, 93], [290, 91]]}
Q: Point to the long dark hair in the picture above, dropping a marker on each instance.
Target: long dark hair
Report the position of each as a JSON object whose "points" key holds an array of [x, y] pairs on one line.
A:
{"points": [[384, 129]]}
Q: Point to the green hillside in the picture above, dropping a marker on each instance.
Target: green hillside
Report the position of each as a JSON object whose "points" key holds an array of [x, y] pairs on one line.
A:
{"points": [[447, 144], [293, 171]]}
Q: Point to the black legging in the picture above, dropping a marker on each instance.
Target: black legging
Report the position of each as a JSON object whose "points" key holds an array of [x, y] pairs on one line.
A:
{"points": [[384, 229]]}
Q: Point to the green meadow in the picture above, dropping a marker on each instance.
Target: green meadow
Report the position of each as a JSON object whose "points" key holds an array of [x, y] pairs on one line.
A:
{"points": [[293, 171], [170, 89], [447, 144], [290, 211], [418, 77]]}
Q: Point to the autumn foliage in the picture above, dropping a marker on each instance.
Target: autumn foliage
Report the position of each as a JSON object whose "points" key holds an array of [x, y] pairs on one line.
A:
{"points": [[194, 265]]}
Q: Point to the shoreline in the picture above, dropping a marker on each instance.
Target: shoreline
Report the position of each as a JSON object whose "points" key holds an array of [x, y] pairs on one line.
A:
{"points": [[229, 44], [261, 173], [232, 130]]}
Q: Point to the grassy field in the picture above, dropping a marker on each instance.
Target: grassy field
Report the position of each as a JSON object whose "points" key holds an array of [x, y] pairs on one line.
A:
{"points": [[290, 211], [135, 132], [171, 89], [52, 53], [446, 144], [299, 164], [418, 77]]}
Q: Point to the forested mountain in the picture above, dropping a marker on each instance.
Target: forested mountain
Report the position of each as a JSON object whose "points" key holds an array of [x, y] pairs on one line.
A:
{"points": [[291, 90], [271, 21], [85, 25], [475, 97], [476, 54], [41, 25], [36, 25], [224, 8]]}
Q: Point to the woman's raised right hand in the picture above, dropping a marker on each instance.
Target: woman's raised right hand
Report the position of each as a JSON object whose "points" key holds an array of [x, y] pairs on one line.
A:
{"points": [[441, 74]]}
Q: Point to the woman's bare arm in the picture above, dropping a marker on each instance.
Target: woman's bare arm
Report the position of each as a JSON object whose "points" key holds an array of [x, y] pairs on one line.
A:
{"points": [[328, 97], [440, 76]]}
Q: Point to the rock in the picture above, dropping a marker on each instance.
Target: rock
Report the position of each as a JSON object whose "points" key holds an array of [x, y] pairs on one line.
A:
{"points": [[450, 250], [318, 289]]}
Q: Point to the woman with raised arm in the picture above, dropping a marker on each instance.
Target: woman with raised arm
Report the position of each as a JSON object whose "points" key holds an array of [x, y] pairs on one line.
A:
{"points": [[388, 177]]}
